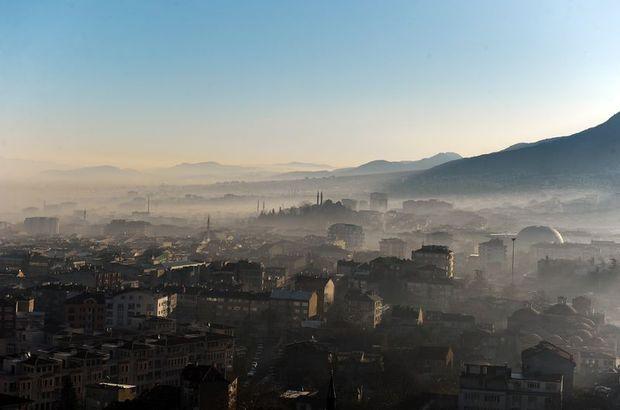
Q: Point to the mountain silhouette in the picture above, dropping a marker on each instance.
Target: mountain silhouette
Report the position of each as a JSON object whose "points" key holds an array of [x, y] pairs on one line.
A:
{"points": [[585, 157], [379, 166]]}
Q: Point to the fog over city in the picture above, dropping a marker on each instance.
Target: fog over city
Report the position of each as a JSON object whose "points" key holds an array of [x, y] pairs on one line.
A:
{"points": [[310, 205]]}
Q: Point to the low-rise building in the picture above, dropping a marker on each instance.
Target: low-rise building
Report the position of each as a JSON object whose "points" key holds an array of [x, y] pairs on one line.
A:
{"points": [[86, 311], [498, 388], [363, 309], [323, 287], [99, 396], [204, 387], [435, 255], [294, 306], [131, 302]]}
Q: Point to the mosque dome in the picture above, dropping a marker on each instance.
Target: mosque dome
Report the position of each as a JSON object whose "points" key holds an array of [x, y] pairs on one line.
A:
{"points": [[538, 234], [575, 340], [584, 334], [556, 340], [561, 309], [525, 314], [531, 339]]}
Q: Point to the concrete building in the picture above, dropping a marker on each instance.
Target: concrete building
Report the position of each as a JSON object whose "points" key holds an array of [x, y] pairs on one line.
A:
{"points": [[425, 207], [230, 308], [492, 255], [41, 225], [294, 306], [393, 247], [491, 387], [378, 201], [132, 302], [122, 227], [435, 255], [349, 204], [205, 388], [363, 309], [323, 287], [548, 359], [100, 395], [86, 311], [348, 236]]}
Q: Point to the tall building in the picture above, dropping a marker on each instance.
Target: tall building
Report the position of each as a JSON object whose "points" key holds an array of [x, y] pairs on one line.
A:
{"points": [[492, 255], [41, 225], [348, 235], [435, 255], [378, 201], [394, 247]]}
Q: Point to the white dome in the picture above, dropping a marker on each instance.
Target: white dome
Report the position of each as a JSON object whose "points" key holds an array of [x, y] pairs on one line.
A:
{"points": [[538, 234]]}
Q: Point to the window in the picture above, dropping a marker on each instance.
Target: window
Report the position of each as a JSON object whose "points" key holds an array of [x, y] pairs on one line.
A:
{"points": [[533, 385]]}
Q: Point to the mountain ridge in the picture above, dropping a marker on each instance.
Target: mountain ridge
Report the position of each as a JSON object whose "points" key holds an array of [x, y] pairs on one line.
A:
{"points": [[585, 154]]}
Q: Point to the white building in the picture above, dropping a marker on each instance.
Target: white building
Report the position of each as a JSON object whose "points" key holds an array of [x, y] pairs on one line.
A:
{"points": [[123, 305]]}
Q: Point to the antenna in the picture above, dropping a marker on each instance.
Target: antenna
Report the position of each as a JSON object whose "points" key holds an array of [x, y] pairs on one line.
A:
{"points": [[512, 273]]}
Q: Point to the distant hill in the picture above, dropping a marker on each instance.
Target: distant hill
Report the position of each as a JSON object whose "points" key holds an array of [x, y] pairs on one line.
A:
{"points": [[101, 172], [587, 157], [378, 167], [304, 165]]}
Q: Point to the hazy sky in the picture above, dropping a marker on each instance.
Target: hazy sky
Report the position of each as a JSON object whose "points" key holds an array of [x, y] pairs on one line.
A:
{"points": [[141, 83]]}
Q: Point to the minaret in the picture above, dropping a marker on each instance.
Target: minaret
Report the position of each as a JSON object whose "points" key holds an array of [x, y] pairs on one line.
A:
{"points": [[258, 206], [148, 204], [321, 197], [317, 197], [330, 401]]}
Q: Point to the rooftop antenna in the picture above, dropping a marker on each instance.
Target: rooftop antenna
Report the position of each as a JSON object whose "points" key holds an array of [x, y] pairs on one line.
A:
{"points": [[512, 271]]}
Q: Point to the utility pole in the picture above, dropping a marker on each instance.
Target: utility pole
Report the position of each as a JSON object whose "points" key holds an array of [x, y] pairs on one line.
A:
{"points": [[513, 261]]}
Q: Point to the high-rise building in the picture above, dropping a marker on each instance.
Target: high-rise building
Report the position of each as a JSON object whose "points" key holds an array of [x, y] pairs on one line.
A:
{"points": [[435, 255], [348, 235], [41, 225], [378, 201], [492, 254], [394, 247]]}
